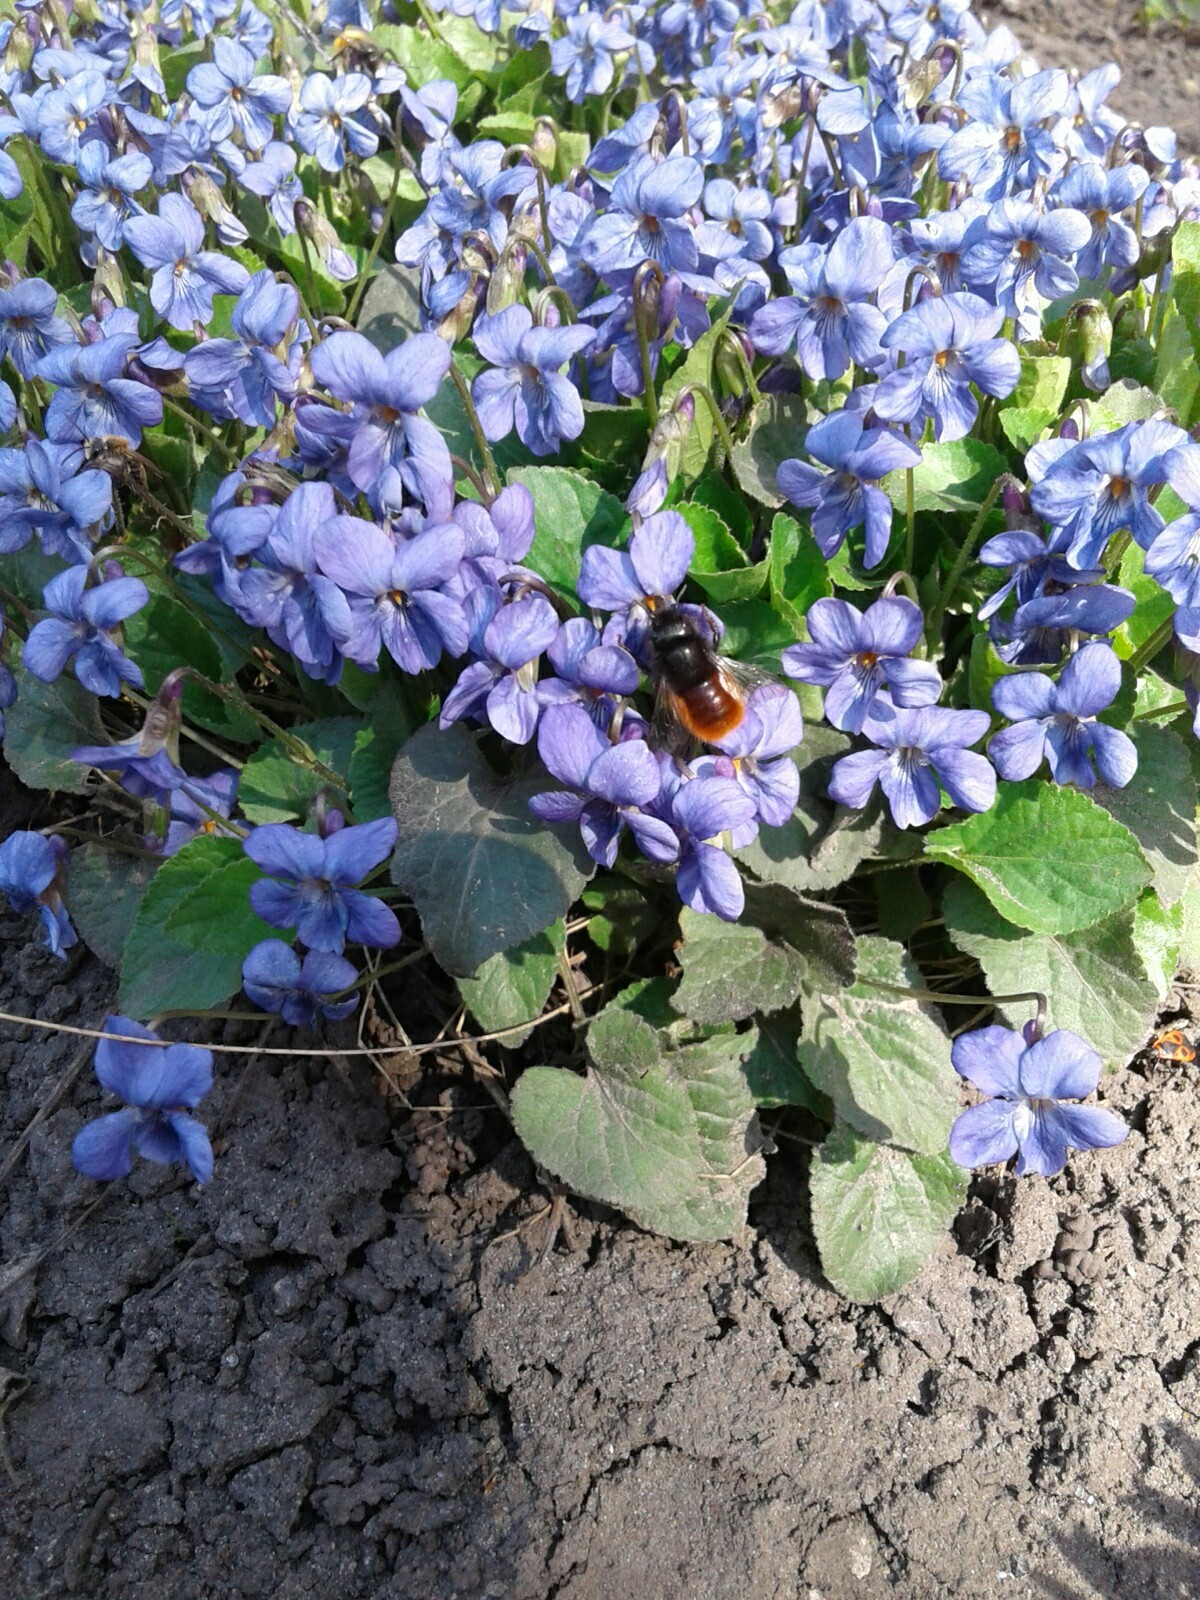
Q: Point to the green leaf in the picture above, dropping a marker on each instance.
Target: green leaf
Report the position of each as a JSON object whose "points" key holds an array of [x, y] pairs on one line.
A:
{"points": [[1158, 806], [391, 307], [1048, 859], [423, 58], [697, 367], [384, 730], [48, 721], [778, 425], [719, 566], [955, 476], [878, 1213], [215, 917], [672, 1142], [1024, 425], [164, 635], [733, 969], [1125, 401], [1154, 604], [713, 491], [484, 873], [512, 986], [755, 633], [1158, 939], [1094, 980], [176, 64], [798, 571], [569, 514], [1185, 281], [1042, 384], [612, 442], [160, 972], [773, 1070], [882, 1059], [104, 890], [1175, 377], [276, 788]]}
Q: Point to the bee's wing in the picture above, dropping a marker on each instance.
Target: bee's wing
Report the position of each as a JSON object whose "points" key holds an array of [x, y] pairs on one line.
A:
{"points": [[743, 675], [669, 732]]}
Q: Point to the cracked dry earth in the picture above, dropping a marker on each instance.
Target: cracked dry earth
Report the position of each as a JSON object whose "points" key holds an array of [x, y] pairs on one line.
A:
{"points": [[326, 1374]]}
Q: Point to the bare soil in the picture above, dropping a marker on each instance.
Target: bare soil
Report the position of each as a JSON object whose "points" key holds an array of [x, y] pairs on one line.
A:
{"points": [[1160, 65], [339, 1370]]}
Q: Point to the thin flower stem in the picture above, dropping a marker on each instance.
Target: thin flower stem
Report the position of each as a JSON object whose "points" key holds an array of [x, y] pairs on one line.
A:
{"points": [[376, 243], [481, 443], [1175, 709], [714, 409], [941, 999], [910, 522], [202, 434], [1151, 646], [950, 587]]}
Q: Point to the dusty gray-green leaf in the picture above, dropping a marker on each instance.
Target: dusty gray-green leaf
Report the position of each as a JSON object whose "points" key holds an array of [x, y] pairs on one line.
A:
{"points": [[48, 721], [391, 307], [1158, 806], [511, 987], [674, 1145], [104, 890], [484, 873], [733, 969], [878, 1212], [773, 1068], [1094, 980], [819, 933], [882, 1058], [1048, 859]]}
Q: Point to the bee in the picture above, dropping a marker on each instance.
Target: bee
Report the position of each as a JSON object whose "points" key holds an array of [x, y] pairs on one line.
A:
{"points": [[1172, 1046], [700, 691]]}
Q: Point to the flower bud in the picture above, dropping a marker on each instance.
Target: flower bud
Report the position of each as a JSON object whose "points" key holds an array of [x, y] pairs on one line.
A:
{"points": [[1087, 339], [544, 143], [507, 282]]}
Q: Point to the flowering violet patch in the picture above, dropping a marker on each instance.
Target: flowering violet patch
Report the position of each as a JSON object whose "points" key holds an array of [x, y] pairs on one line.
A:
{"points": [[444, 419]]}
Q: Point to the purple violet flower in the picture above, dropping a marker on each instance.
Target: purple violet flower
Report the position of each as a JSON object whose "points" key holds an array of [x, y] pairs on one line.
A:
{"points": [[1023, 259], [28, 325], [1173, 558], [1101, 485], [525, 380], [653, 567], [81, 629], [857, 656], [919, 748], [703, 809], [503, 687], [1040, 630], [388, 392], [329, 125], [950, 343], [646, 218], [1027, 1081], [40, 494], [156, 1083], [757, 755], [185, 276], [311, 883], [230, 99], [829, 318], [94, 399], [275, 978], [849, 494], [396, 592], [1057, 723], [610, 786], [31, 876]]}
